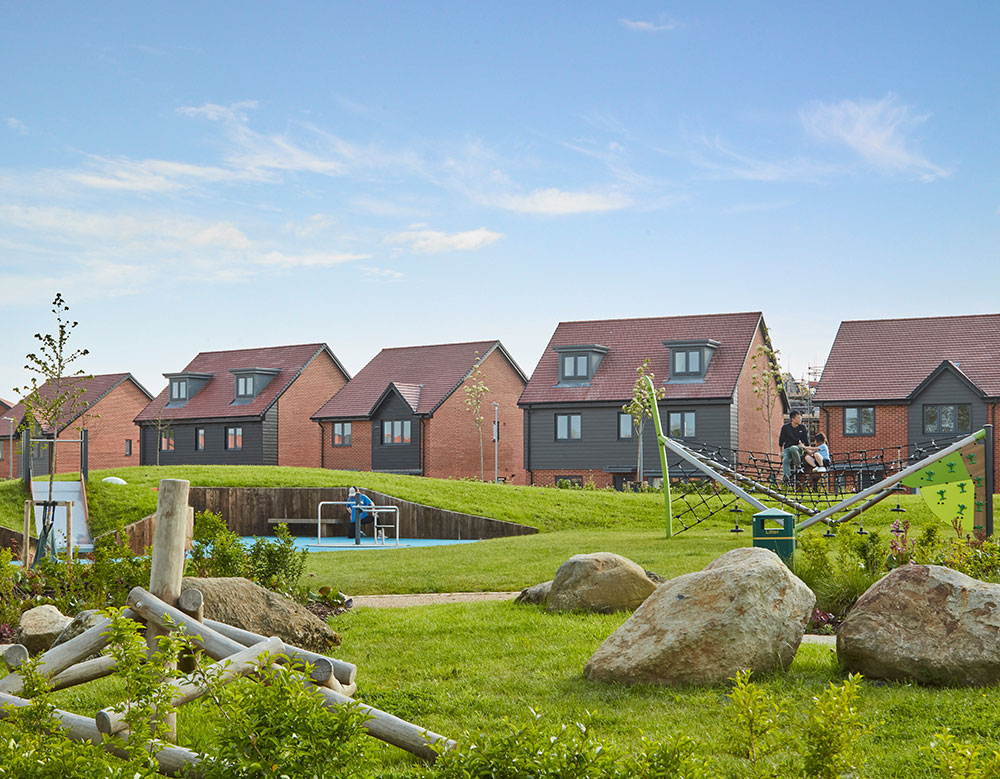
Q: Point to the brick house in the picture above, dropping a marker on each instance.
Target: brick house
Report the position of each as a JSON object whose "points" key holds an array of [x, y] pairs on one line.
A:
{"points": [[405, 412], [106, 409], [574, 427], [242, 407], [894, 384]]}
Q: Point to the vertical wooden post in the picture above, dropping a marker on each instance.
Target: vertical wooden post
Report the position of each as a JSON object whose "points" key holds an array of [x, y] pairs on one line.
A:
{"points": [[26, 538], [167, 567]]}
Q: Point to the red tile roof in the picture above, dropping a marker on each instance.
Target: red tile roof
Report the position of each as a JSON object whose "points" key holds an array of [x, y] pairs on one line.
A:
{"points": [[95, 388], [886, 359], [215, 398], [5, 404], [424, 375], [630, 341]]}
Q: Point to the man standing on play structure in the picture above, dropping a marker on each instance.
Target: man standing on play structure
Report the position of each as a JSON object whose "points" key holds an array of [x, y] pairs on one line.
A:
{"points": [[791, 440]]}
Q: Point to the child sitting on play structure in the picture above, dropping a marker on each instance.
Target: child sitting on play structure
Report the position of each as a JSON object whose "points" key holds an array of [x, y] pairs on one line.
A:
{"points": [[818, 457]]}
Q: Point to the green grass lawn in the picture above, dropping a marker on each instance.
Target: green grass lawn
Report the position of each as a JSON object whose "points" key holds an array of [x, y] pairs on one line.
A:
{"points": [[464, 668]]}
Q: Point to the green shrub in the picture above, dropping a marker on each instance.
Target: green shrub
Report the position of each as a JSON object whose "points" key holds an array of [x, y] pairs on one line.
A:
{"points": [[954, 759], [216, 550], [276, 563], [757, 718], [832, 730]]}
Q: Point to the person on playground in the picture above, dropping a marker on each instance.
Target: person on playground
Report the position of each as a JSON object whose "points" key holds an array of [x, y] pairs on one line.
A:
{"points": [[356, 501], [792, 439], [818, 457]]}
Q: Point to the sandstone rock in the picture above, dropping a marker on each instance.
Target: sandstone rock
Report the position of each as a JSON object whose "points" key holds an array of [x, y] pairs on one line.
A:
{"points": [[41, 626], [241, 603], [536, 595], [81, 622], [745, 610], [600, 582], [924, 623]]}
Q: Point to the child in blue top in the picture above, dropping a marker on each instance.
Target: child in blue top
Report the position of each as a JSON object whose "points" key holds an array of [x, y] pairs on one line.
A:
{"points": [[819, 456]]}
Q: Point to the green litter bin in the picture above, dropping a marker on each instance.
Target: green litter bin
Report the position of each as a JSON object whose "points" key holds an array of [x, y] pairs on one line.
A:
{"points": [[774, 529]]}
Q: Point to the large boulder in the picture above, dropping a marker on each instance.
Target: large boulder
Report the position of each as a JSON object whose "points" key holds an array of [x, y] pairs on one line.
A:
{"points": [[744, 610], [924, 623], [600, 582], [40, 626], [241, 603]]}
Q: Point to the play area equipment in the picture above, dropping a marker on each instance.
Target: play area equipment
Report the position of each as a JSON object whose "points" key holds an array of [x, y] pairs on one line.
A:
{"points": [[955, 479], [164, 608], [383, 518]]}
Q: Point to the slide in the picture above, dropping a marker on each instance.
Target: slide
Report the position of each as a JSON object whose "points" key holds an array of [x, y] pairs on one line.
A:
{"points": [[65, 491]]}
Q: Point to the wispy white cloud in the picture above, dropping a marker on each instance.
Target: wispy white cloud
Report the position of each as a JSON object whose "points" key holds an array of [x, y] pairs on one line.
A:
{"points": [[151, 175], [434, 241], [309, 259], [763, 206], [234, 112], [879, 131], [662, 23], [312, 225], [381, 274], [16, 125], [720, 160], [558, 202]]}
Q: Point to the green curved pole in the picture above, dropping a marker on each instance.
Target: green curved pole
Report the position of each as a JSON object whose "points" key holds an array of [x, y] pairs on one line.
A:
{"points": [[663, 455]]}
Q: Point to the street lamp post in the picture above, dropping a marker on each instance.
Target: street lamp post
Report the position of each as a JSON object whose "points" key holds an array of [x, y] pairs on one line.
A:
{"points": [[10, 449], [496, 442]]}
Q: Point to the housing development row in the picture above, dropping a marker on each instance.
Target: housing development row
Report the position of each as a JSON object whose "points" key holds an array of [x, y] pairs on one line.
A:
{"points": [[890, 384]]}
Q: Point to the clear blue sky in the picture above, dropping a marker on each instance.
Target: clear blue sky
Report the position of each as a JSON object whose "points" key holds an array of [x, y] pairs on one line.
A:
{"points": [[197, 176]]}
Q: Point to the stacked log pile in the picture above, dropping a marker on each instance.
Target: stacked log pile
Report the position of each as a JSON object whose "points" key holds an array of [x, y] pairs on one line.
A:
{"points": [[162, 609]]}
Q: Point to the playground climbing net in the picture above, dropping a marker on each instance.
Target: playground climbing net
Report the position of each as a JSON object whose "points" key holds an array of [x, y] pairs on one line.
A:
{"points": [[697, 496]]}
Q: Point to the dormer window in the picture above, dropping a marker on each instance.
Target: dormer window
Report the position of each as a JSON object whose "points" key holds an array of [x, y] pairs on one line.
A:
{"points": [[249, 382], [689, 359], [244, 387], [178, 389], [578, 364]]}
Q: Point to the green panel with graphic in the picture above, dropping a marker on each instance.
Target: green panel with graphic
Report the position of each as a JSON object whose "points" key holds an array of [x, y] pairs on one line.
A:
{"points": [[951, 502], [950, 469]]}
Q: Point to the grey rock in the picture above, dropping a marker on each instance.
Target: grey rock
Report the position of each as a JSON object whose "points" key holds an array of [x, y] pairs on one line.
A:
{"points": [[601, 582], [241, 603], [40, 626], [81, 622], [924, 623], [745, 610], [536, 595]]}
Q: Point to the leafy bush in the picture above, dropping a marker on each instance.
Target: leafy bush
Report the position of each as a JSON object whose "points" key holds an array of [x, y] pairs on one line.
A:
{"points": [[954, 759], [277, 564], [839, 570], [274, 726], [216, 550], [832, 730]]}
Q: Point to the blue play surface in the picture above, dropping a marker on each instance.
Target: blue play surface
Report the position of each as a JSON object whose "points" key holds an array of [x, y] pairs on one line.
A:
{"points": [[341, 544]]}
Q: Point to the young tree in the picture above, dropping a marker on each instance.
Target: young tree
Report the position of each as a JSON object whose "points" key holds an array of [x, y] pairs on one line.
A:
{"points": [[54, 394], [641, 407], [475, 389], [767, 384]]}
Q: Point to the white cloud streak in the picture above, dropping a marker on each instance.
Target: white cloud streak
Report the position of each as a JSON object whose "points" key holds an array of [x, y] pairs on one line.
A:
{"points": [[877, 130], [435, 241], [16, 125], [662, 24], [557, 202]]}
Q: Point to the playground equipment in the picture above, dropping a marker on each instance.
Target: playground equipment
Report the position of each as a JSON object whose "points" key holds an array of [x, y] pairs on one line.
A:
{"points": [[164, 608], [955, 479], [380, 524]]}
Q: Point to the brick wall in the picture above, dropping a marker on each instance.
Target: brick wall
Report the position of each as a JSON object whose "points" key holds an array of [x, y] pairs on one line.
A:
{"points": [[357, 456], [600, 479], [890, 431], [451, 441], [298, 435], [11, 455], [753, 434]]}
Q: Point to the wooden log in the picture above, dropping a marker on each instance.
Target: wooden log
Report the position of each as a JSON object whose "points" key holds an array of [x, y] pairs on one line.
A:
{"points": [[192, 603], [173, 761], [87, 671], [343, 671], [59, 658], [167, 566], [381, 725], [13, 654], [111, 722]]}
